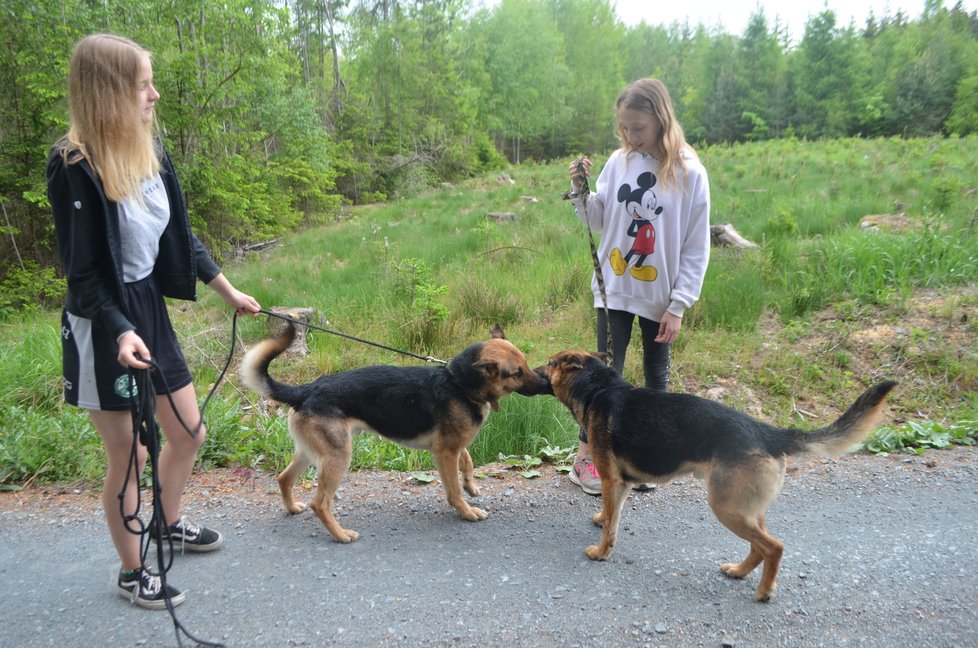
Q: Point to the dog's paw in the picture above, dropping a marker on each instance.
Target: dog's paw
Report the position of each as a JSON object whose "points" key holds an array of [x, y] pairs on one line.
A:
{"points": [[295, 508], [733, 570], [598, 519], [346, 536], [473, 514], [763, 596], [472, 489], [595, 552]]}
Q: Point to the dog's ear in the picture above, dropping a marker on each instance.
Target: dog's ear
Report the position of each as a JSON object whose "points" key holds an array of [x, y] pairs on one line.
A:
{"points": [[497, 332], [571, 361], [603, 357], [487, 367]]}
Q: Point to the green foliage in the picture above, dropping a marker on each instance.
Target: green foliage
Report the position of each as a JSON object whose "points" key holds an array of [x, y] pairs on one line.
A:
{"points": [[525, 80], [413, 281], [759, 330], [30, 354], [878, 268], [36, 446], [963, 119], [29, 286], [916, 438], [782, 225], [278, 114], [741, 297]]}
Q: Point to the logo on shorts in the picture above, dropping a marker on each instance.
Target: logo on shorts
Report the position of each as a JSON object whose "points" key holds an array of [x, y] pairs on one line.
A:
{"points": [[124, 388]]}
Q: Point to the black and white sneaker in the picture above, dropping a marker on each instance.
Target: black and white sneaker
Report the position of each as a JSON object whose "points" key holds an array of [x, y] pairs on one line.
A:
{"points": [[188, 536], [147, 591]]}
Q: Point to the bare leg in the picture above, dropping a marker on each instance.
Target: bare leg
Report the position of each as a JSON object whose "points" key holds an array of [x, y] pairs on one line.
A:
{"points": [[116, 431], [180, 452]]}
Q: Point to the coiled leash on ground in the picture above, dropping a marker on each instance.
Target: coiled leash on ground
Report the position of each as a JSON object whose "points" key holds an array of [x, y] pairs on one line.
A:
{"points": [[583, 192]]}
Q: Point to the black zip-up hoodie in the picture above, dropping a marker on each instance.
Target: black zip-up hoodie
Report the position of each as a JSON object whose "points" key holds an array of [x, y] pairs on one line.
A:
{"points": [[86, 225]]}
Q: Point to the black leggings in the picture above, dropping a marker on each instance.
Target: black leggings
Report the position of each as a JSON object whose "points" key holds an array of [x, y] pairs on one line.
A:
{"points": [[655, 355]]}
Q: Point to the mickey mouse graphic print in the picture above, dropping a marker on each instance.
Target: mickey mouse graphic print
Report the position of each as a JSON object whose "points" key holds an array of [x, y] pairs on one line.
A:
{"points": [[655, 241]]}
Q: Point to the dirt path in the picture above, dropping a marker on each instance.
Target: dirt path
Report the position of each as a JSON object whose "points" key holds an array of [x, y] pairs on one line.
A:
{"points": [[880, 551]]}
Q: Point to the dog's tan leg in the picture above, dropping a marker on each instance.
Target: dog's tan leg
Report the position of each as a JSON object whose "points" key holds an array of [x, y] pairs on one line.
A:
{"points": [[448, 461], [773, 550], [739, 497], [763, 548], [467, 468], [330, 475], [614, 491], [287, 479], [331, 442]]}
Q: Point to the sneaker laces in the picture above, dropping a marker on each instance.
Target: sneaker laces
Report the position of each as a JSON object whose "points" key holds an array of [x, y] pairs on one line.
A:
{"points": [[188, 530], [186, 527], [148, 584]]}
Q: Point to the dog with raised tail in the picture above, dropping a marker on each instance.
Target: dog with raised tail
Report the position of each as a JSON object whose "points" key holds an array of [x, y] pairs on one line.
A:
{"points": [[638, 435], [439, 409]]}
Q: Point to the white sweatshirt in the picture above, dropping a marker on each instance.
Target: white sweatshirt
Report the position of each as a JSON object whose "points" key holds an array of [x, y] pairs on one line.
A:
{"points": [[656, 241]]}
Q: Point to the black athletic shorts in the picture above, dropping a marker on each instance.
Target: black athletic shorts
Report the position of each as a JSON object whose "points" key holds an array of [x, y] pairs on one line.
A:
{"points": [[93, 377]]}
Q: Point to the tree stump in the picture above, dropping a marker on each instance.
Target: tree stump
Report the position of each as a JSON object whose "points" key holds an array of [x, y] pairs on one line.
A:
{"points": [[299, 314], [726, 236]]}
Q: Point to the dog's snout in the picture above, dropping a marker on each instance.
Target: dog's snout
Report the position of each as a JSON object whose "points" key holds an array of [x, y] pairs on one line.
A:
{"points": [[536, 383]]}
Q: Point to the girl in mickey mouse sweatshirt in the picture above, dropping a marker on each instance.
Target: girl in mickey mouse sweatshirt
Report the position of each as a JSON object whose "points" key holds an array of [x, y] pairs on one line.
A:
{"points": [[652, 207]]}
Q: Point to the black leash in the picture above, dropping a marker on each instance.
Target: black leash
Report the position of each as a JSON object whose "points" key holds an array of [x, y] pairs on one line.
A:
{"points": [[583, 193], [146, 431], [142, 405], [350, 337]]}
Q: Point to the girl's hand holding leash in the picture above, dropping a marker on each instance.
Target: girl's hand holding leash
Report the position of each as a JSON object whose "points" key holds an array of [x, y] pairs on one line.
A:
{"points": [[133, 352], [241, 303], [574, 171]]}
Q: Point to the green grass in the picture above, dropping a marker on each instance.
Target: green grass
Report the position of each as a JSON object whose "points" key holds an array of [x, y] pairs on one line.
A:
{"points": [[780, 330]]}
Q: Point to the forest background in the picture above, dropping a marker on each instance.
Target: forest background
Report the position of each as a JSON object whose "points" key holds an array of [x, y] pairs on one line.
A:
{"points": [[280, 112], [371, 139]]}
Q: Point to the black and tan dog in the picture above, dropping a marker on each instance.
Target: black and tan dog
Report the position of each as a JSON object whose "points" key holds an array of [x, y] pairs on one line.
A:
{"points": [[638, 435], [439, 409]]}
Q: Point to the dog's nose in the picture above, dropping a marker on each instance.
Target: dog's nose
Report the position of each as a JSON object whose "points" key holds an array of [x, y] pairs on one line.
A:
{"points": [[541, 385]]}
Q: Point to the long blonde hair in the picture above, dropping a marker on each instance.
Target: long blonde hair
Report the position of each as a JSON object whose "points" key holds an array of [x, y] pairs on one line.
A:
{"points": [[105, 121], [652, 97]]}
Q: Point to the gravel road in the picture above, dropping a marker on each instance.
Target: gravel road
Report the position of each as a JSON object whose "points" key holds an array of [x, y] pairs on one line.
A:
{"points": [[880, 551]]}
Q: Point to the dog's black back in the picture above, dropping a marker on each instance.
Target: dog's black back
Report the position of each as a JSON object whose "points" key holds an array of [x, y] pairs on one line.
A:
{"points": [[659, 431], [400, 402]]}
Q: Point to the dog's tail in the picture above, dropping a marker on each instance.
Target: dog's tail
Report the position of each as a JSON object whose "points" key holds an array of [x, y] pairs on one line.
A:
{"points": [[852, 427], [254, 368]]}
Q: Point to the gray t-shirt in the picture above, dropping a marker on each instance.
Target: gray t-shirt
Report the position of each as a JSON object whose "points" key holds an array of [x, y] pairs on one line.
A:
{"points": [[141, 224]]}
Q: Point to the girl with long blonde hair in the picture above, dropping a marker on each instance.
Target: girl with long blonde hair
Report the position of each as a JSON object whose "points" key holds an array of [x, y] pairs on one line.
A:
{"points": [[652, 206], [125, 242]]}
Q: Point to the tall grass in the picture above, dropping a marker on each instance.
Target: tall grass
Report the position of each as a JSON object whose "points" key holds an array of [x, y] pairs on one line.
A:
{"points": [[431, 274], [878, 268]]}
